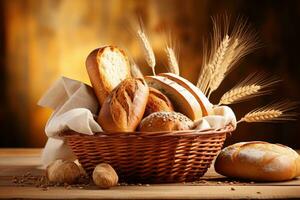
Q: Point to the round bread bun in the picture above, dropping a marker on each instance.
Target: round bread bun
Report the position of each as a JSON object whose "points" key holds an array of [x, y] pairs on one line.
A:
{"points": [[107, 67], [124, 108], [165, 121], [157, 102], [258, 161]]}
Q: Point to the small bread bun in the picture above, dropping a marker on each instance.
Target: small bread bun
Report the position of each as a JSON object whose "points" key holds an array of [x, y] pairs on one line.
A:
{"points": [[165, 121], [157, 102], [206, 106], [183, 101], [258, 161], [124, 108], [107, 67]]}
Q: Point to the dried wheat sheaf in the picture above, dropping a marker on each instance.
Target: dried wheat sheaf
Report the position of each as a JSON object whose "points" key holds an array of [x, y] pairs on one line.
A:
{"points": [[225, 50], [172, 55], [146, 46], [279, 111], [252, 86]]}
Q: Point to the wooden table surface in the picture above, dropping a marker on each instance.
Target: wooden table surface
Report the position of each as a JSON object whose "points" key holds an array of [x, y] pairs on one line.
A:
{"points": [[17, 162]]}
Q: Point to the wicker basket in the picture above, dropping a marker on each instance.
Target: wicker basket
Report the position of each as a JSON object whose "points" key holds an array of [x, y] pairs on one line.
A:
{"points": [[150, 157]]}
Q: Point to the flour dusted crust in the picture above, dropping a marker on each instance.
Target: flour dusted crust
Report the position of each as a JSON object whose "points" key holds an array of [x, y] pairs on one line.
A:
{"points": [[165, 121], [124, 108], [107, 67], [260, 161]]}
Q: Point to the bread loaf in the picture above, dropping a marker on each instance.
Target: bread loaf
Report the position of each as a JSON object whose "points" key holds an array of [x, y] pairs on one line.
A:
{"points": [[259, 161], [165, 121], [124, 108], [203, 101], [107, 67], [183, 101], [157, 102]]}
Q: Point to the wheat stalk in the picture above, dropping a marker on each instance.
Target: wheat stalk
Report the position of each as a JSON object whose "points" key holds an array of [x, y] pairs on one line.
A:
{"points": [[251, 86], [271, 113], [203, 79], [147, 49], [217, 71], [172, 61], [239, 93], [135, 70], [240, 42], [172, 56]]}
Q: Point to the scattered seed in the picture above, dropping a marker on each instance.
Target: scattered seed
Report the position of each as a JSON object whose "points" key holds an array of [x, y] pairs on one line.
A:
{"points": [[232, 189]]}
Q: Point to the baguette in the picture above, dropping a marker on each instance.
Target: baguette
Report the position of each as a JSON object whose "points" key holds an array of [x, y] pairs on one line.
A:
{"points": [[124, 108], [206, 106], [107, 67], [183, 101], [259, 161]]}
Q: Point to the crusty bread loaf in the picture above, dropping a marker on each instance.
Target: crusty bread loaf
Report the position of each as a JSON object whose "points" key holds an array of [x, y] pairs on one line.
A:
{"points": [[183, 101], [124, 108], [165, 121], [259, 161], [157, 102], [206, 106], [107, 67]]}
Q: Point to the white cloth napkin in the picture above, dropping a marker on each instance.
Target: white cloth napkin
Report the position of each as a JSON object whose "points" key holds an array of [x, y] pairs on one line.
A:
{"points": [[74, 105], [220, 117]]}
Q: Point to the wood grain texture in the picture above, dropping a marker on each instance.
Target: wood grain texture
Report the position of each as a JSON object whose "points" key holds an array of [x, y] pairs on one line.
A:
{"points": [[28, 161]]}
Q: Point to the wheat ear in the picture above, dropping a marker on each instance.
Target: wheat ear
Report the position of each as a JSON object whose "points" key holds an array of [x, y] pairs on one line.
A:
{"points": [[216, 69], [241, 41], [271, 113], [135, 70], [172, 60], [172, 54], [147, 49], [211, 57], [254, 85]]}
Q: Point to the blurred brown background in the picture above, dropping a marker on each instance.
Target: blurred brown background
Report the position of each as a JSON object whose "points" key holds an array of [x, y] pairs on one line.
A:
{"points": [[44, 39]]}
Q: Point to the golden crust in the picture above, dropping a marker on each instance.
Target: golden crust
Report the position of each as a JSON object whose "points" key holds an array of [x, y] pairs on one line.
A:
{"points": [[101, 81], [157, 102], [165, 121], [124, 108], [260, 161]]}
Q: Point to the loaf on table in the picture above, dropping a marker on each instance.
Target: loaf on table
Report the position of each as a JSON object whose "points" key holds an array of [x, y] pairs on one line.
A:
{"points": [[259, 161], [107, 67], [124, 108]]}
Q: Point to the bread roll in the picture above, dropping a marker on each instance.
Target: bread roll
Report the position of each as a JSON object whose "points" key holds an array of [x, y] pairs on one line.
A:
{"points": [[183, 101], [157, 102], [259, 161], [124, 108], [107, 67], [165, 121], [206, 106]]}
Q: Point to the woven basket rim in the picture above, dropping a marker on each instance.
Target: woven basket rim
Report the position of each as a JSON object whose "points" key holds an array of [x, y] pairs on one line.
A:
{"points": [[184, 133]]}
